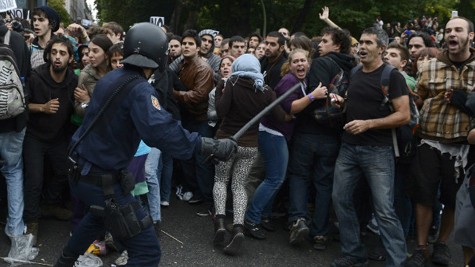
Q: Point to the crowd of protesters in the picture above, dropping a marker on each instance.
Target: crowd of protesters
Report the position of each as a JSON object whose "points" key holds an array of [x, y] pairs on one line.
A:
{"points": [[328, 145]]}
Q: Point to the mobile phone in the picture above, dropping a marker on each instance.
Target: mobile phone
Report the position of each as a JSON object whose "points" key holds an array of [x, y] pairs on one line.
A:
{"points": [[455, 13]]}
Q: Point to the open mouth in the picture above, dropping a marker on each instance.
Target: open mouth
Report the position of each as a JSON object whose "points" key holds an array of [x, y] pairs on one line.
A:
{"points": [[363, 53], [452, 43]]}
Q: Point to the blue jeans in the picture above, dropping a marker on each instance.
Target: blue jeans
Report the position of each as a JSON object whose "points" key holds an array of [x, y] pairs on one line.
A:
{"points": [[12, 169], [199, 173], [152, 177], [166, 164], [376, 163], [275, 154], [312, 160], [143, 249]]}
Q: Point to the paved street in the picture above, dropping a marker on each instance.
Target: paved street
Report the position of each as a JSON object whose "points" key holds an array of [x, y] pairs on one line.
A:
{"points": [[189, 244]]}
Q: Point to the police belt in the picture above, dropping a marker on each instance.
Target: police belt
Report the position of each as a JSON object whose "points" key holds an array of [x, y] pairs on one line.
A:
{"points": [[100, 180]]}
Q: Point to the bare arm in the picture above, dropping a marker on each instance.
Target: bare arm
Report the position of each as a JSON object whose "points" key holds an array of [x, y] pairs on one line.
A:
{"points": [[471, 137], [325, 16], [301, 103]]}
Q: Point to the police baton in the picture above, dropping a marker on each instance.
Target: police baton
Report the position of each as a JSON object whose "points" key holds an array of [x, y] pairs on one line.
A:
{"points": [[261, 114]]}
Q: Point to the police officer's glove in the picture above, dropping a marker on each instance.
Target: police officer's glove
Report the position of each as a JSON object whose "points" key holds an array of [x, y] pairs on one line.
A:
{"points": [[220, 149]]}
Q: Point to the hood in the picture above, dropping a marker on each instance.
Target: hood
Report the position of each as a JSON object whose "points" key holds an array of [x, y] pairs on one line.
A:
{"points": [[345, 61], [444, 57], [43, 73]]}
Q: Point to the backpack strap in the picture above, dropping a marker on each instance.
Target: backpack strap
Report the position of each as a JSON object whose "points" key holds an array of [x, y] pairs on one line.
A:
{"points": [[385, 80], [6, 39]]}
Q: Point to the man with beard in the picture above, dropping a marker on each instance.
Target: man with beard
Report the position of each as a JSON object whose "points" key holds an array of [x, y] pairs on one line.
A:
{"points": [[174, 48], [51, 103], [443, 85], [206, 51], [274, 58]]}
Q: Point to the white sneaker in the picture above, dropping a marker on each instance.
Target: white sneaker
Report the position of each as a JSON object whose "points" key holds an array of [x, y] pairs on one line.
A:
{"points": [[164, 203], [122, 259], [187, 196]]}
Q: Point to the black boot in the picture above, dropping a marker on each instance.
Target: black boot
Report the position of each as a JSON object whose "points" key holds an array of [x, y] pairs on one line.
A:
{"points": [[235, 244], [219, 230], [65, 261]]}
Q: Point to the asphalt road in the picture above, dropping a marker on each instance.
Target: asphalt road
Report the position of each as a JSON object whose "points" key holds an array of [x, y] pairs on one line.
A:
{"points": [[186, 240]]}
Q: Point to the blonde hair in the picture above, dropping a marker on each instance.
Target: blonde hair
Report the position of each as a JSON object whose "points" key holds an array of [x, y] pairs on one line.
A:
{"points": [[286, 66]]}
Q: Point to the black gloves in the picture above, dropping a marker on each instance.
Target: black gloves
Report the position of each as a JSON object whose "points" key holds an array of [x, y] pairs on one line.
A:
{"points": [[460, 100], [221, 149]]}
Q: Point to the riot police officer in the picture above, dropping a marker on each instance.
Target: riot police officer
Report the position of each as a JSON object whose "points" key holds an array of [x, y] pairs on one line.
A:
{"points": [[124, 110]]}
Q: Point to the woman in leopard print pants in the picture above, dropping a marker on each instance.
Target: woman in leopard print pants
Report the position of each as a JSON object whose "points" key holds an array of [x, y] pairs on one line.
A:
{"points": [[244, 96]]}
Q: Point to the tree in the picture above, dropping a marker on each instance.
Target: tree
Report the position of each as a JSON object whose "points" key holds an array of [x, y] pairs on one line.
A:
{"points": [[58, 5]]}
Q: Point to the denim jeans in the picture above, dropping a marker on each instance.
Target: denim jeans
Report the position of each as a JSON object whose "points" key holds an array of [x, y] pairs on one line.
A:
{"points": [[376, 164], [312, 160], [12, 169], [275, 154], [199, 173], [143, 249], [166, 170], [34, 153], [152, 177]]}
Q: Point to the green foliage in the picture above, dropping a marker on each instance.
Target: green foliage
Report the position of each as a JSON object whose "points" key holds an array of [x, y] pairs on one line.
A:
{"points": [[246, 16], [58, 5]]}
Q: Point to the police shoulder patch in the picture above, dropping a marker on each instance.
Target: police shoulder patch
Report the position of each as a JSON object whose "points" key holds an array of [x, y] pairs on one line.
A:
{"points": [[155, 103]]}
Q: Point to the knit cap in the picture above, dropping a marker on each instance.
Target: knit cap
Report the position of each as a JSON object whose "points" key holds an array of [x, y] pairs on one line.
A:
{"points": [[52, 16]]}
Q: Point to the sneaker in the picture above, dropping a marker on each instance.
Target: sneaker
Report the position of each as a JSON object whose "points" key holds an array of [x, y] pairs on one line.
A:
{"points": [[441, 254], [254, 230], [320, 242], [56, 212], [187, 196], [164, 204], [349, 262], [122, 259], [373, 226], [205, 212], [267, 224], [418, 259], [298, 231], [32, 228], [195, 200]]}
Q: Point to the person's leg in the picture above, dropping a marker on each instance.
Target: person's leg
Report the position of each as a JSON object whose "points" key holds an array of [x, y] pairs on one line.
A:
{"points": [[256, 176], [33, 159], [299, 171], [378, 167], [275, 154], [12, 170], [402, 203], [221, 179], [153, 184], [166, 177], [324, 164], [204, 169], [347, 175], [240, 171], [57, 153]]}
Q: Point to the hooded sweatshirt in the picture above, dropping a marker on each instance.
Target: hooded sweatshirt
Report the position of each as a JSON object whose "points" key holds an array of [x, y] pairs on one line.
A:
{"points": [[51, 127]]}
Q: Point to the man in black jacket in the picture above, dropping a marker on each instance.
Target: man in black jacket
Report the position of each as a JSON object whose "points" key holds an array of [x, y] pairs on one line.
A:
{"points": [[315, 147], [12, 132], [51, 103]]}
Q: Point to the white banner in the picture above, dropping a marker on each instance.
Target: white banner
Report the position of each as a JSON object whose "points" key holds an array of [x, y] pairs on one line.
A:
{"points": [[6, 5], [16, 13], [160, 21]]}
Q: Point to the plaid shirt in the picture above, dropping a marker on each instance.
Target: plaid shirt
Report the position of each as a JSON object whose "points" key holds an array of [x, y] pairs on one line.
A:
{"points": [[439, 120]]}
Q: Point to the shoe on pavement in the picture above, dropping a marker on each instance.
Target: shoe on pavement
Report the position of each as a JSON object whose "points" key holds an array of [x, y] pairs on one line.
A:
{"points": [[267, 224], [298, 231], [373, 226], [235, 244], [32, 228], [254, 230], [418, 258], [164, 204], [348, 261], [320, 242], [441, 254], [187, 196], [195, 200], [56, 212]]}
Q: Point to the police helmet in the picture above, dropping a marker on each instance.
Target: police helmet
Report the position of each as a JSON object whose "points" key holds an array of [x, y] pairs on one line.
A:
{"points": [[146, 46]]}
